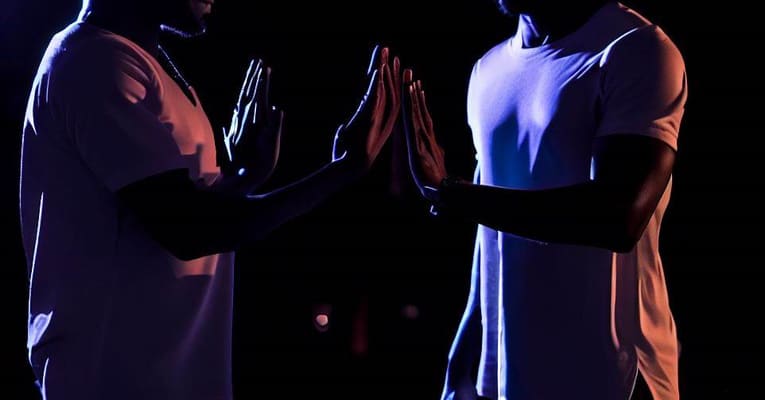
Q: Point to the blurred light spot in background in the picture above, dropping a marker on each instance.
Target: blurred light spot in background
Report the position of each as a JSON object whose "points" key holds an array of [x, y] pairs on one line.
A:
{"points": [[360, 329], [321, 313], [410, 311], [322, 320]]}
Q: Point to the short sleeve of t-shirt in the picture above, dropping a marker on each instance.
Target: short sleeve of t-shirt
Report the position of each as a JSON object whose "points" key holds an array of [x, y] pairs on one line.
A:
{"points": [[110, 98], [643, 86]]}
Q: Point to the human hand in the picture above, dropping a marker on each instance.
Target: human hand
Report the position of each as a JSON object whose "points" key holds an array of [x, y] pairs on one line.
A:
{"points": [[463, 389], [253, 139], [426, 157], [361, 139]]}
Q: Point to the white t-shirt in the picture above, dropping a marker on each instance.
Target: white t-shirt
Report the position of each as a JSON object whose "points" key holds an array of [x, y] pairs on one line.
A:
{"points": [[562, 321], [112, 315]]}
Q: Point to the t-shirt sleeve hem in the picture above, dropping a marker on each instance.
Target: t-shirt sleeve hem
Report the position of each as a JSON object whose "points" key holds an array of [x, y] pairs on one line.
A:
{"points": [[140, 171], [666, 136]]}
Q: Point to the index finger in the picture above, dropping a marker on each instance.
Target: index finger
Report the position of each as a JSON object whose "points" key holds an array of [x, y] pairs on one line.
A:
{"points": [[407, 103], [263, 90], [252, 70]]}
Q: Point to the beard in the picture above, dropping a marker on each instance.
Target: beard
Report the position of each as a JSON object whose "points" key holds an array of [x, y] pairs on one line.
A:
{"points": [[185, 18], [502, 7], [516, 7]]}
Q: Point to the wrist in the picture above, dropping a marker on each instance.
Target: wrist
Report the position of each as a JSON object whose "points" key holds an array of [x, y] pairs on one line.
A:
{"points": [[348, 169], [440, 196], [447, 186]]}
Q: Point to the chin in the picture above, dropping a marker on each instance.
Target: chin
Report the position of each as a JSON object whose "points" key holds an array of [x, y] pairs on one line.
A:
{"points": [[188, 19]]}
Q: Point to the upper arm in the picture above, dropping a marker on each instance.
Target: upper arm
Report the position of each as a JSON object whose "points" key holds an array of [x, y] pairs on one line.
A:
{"points": [[187, 220], [642, 101], [643, 87], [111, 103], [632, 172], [167, 206]]}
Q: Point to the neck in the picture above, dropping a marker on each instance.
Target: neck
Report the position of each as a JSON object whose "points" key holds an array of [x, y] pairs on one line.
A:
{"points": [[128, 22], [552, 23]]}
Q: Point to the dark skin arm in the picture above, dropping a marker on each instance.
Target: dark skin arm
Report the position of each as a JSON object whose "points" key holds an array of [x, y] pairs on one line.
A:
{"points": [[191, 222], [631, 172]]}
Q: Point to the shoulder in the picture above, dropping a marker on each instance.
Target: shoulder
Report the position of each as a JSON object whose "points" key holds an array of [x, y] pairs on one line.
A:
{"points": [[642, 47], [87, 56], [635, 38], [493, 54]]}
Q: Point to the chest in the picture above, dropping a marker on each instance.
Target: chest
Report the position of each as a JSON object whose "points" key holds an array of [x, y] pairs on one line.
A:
{"points": [[181, 111], [533, 95], [534, 117]]}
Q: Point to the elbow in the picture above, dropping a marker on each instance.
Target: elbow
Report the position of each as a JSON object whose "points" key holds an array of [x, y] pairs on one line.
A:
{"points": [[186, 253], [182, 243], [188, 243], [622, 243], [624, 235], [182, 249]]}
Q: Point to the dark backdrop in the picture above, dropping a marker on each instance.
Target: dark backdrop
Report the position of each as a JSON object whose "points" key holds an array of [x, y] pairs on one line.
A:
{"points": [[365, 249]]}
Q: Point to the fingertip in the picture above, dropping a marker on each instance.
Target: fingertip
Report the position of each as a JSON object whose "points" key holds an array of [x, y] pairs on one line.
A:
{"points": [[409, 76]]}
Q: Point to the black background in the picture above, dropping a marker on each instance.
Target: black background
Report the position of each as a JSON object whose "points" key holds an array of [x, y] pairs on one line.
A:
{"points": [[365, 245]]}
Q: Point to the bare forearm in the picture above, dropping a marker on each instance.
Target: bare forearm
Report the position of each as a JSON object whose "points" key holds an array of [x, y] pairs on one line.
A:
{"points": [[192, 222], [270, 210], [243, 182], [584, 214]]}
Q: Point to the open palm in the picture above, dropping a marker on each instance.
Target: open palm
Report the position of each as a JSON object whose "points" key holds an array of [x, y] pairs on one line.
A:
{"points": [[253, 139]]}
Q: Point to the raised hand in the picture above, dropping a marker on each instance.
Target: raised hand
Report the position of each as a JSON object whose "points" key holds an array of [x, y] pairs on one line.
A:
{"points": [[426, 157], [253, 139], [362, 137]]}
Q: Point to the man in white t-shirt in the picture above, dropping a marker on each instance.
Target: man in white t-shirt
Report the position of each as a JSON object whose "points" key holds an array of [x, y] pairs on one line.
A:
{"points": [[129, 225], [575, 121]]}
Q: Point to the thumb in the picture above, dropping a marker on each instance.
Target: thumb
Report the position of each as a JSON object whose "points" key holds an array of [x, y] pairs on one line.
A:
{"points": [[364, 110], [338, 148]]}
